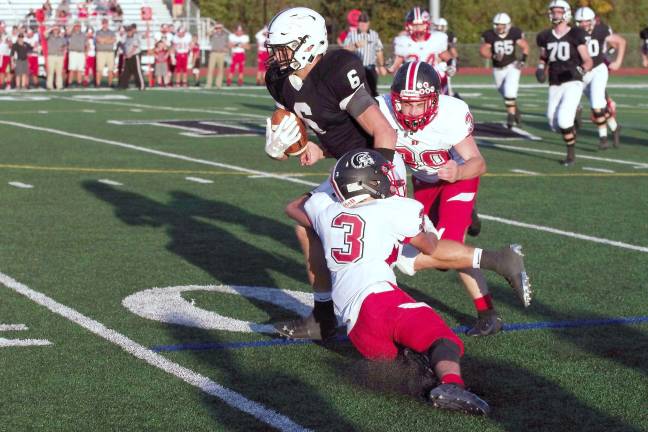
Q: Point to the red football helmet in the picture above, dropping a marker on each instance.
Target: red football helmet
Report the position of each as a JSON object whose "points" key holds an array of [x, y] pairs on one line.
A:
{"points": [[417, 22], [415, 82]]}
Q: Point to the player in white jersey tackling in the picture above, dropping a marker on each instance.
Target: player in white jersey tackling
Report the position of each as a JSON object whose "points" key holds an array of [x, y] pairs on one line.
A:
{"points": [[435, 139], [421, 44], [360, 234], [599, 37]]}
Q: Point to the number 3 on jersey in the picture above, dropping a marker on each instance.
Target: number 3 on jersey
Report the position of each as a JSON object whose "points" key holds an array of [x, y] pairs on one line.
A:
{"points": [[353, 226]]}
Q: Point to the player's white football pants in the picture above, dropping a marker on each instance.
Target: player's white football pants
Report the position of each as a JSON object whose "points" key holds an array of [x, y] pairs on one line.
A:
{"points": [[507, 80], [595, 83], [563, 103]]}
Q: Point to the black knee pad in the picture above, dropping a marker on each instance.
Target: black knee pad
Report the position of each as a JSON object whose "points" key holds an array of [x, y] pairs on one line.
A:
{"points": [[444, 349], [509, 102]]}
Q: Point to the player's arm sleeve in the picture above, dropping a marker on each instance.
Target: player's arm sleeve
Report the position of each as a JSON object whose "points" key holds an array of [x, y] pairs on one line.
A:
{"points": [[316, 204], [462, 123], [581, 37], [274, 87], [540, 40], [409, 221], [348, 85]]}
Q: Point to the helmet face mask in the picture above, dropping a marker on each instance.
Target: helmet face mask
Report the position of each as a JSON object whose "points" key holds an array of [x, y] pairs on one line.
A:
{"points": [[417, 23], [559, 11], [361, 174], [585, 18], [501, 23], [296, 36], [415, 95]]}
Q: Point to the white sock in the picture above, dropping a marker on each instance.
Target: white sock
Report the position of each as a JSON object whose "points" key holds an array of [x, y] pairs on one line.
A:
{"points": [[477, 258], [612, 123], [602, 131], [322, 297]]}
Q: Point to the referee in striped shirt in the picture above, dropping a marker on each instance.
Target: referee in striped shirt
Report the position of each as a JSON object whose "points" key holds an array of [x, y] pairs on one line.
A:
{"points": [[367, 45]]}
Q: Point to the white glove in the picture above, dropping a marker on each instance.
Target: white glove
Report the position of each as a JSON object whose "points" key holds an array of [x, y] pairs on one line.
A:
{"points": [[281, 136], [451, 71]]}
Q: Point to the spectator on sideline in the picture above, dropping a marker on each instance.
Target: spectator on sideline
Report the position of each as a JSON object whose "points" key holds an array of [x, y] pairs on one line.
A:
{"points": [[19, 53], [181, 46], [262, 55], [218, 41], [76, 55], [132, 66], [161, 54], [194, 59], [352, 20], [91, 58], [178, 6], [33, 39], [105, 46], [56, 48], [5, 58], [366, 44], [644, 46], [238, 43]]}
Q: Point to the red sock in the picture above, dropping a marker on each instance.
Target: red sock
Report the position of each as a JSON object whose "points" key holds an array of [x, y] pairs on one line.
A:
{"points": [[453, 379], [483, 304]]}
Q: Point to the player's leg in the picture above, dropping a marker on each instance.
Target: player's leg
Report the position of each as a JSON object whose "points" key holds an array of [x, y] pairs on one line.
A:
{"points": [[595, 91], [612, 121], [566, 112], [322, 322], [499, 75], [511, 85]]}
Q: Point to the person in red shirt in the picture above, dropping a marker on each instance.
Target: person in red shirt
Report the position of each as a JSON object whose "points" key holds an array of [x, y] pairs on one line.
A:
{"points": [[352, 20], [194, 59]]}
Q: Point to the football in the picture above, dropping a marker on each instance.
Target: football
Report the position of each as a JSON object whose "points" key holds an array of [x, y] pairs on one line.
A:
{"points": [[299, 147]]}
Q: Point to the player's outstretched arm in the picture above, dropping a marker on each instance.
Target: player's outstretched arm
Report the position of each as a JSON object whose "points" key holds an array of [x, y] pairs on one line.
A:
{"points": [[619, 43], [474, 165], [485, 50], [375, 124], [587, 60], [426, 242]]}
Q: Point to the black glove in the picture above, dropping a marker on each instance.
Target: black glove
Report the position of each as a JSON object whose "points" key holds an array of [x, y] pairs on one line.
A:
{"points": [[540, 73]]}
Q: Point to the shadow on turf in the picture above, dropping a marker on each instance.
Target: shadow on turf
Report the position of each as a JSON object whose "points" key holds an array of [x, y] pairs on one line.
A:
{"points": [[218, 252]]}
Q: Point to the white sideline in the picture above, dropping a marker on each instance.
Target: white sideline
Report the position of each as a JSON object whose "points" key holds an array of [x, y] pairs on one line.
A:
{"points": [[230, 397], [13, 327], [308, 183]]}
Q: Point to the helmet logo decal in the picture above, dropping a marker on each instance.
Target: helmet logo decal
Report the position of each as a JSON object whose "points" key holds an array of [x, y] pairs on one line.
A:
{"points": [[362, 160]]}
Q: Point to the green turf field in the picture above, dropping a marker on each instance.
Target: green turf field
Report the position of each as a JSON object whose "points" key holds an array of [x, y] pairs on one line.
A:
{"points": [[99, 205]]}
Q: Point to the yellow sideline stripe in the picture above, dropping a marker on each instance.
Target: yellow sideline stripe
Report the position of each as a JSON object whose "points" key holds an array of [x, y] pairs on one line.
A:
{"points": [[293, 174]]}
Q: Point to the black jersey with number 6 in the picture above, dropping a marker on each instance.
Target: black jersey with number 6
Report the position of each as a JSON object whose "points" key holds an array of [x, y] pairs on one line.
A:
{"points": [[502, 46], [562, 54], [596, 43], [321, 101]]}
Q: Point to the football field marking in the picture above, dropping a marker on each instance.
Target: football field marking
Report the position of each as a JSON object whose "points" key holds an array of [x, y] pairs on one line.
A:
{"points": [[13, 327], [601, 170], [521, 171], [20, 342], [313, 184], [20, 185], [110, 182], [230, 397], [199, 180]]}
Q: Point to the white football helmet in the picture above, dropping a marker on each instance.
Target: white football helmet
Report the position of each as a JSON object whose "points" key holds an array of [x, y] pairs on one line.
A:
{"points": [[501, 19], [585, 17], [559, 4], [441, 25], [296, 36]]}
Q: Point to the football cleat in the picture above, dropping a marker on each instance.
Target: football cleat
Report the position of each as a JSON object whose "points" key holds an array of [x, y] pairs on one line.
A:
{"points": [[518, 116], [567, 162], [511, 267], [454, 398], [603, 144], [510, 120], [308, 328], [475, 224], [616, 137], [488, 323], [424, 379]]}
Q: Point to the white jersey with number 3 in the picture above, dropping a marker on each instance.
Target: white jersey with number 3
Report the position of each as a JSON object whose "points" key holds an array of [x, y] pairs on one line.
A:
{"points": [[360, 243], [426, 150]]}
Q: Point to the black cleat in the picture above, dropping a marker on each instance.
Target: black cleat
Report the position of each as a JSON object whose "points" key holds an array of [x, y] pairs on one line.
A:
{"points": [[510, 120], [603, 143], [488, 323], [475, 225], [567, 162], [321, 324], [616, 137], [511, 267], [425, 378], [454, 398]]}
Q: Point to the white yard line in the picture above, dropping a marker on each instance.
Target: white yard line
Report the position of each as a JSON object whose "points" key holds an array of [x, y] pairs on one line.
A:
{"points": [[20, 185], [110, 182], [23, 342], [601, 170], [230, 397], [521, 171], [199, 180], [13, 327], [308, 183], [565, 233], [580, 156]]}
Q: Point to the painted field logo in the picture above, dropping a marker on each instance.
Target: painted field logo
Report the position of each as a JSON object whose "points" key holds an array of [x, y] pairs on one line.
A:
{"points": [[199, 128]]}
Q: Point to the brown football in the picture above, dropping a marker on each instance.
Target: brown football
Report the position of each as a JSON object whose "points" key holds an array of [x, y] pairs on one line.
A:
{"points": [[299, 147]]}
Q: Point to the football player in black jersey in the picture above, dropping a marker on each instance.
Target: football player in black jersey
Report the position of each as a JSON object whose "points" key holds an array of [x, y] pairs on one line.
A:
{"points": [[599, 38], [500, 44], [643, 34], [564, 55], [328, 91]]}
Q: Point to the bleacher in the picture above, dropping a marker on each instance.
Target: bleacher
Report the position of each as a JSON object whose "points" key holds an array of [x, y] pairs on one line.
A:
{"points": [[14, 11]]}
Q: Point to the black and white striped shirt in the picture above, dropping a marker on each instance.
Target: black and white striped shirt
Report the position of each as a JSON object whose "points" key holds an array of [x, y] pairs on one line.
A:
{"points": [[370, 42]]}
